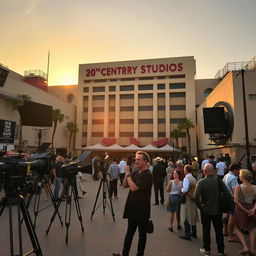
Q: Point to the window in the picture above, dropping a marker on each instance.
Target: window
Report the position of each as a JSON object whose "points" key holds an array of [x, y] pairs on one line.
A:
{"points": [[177, 86], [85, 109], [146, 96], [84, 134], [145, 86], [113, 80], [111, 121], [112, 97], [161, 134], [252, 96], [98, 89], [145, 134], [160, 86], [100, 81], [128, 79], [145, 108], [126, 88], [175, 120], [111, 134], [176, 76], [207, 91], [177, 107], [146, 78], [87, 81], [98, 97], [85, 97], [86, 89], [85, 121], [126, 121], [161, 95], [161, 77], [112, 88], [97, 134], [177, 94], [98, 109], [126, 96], [97, 121], [146, 121], [126, 134], [161, 107], [112, 109], [127, 108], [161, 120]]}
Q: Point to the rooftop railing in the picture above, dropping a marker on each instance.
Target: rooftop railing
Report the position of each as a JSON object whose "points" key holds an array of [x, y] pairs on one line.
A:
{"points": [[236, 66], [35, 73]]}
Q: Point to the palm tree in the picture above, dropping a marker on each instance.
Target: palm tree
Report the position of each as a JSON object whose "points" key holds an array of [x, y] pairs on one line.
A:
{"points": [[16, 103], [176, 133], [72, 128], [186, 124], [57, 117]]}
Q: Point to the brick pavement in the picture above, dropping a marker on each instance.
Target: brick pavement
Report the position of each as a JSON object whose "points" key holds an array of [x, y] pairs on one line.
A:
{"points": [[103, 236]]}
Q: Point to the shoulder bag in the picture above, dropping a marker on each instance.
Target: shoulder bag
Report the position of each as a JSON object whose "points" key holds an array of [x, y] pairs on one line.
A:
{"points": [[150, 227], [224, 200]]}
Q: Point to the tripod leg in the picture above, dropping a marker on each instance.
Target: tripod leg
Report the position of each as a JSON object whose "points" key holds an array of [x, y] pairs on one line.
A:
{"points": [[29, 225], [11, 229], [48, 188], [19, 229], [104, 194], [78, 211], [36, 202], [110, 200], [97, 196], [68, 213], [57, 207]]}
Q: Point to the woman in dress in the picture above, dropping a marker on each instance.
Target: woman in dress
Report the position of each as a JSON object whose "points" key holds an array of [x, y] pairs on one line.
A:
{"points": [[174, 188], [244, 197]]}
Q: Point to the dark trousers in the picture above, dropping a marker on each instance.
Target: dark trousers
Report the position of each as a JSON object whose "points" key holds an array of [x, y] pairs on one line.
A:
{"points": [[121, 175], [217, 224], [190, 230], [159, 186], [132, 226], [113, 187]]}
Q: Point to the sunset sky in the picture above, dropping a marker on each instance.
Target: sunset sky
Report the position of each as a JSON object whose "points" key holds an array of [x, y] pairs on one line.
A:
{"points": [[83, 31]]}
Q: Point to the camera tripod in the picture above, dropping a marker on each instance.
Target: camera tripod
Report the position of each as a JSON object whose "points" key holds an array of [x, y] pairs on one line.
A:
{"points": [[105, 185], [42, 180], [70, 188], [15, 199]]}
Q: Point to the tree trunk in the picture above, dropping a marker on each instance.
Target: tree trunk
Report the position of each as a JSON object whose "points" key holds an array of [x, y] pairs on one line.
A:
{"points": [[189, 142]]}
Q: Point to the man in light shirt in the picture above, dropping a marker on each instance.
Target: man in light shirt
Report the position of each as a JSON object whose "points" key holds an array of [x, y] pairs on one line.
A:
{"points": [[220, 166], [122, 165]]}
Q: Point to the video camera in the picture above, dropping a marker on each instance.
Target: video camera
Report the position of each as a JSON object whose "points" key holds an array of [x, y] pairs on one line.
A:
{"points": [[14, 170], [71, 168]]}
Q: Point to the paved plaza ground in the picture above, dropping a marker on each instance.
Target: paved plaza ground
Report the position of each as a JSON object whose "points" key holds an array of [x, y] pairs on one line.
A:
{"points": [[102, 235]]}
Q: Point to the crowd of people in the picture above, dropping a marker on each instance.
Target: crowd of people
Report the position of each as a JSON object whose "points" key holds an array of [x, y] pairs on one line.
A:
{"points": [[190, 191]]}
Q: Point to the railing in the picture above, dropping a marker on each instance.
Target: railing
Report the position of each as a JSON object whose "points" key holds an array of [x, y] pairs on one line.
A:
{"points": [[35, 73], [236, 66]]}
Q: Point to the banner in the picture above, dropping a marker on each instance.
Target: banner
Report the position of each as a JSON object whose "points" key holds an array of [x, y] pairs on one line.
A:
{"points": [[7, 131]]}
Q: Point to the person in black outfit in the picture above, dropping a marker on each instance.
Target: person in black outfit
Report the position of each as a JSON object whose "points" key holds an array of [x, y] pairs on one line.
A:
{"points": [[159, 174], [137, 207]]}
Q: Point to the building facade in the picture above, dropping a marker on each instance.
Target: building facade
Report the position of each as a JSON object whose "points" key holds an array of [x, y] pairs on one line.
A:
{"points": [[143, 99]]}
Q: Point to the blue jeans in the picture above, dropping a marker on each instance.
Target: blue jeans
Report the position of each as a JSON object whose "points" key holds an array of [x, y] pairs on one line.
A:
{"points": [[57, 188]]}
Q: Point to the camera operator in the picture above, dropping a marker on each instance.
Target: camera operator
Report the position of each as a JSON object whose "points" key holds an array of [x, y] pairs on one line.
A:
{"points": [[58, 176], [113, 172]]}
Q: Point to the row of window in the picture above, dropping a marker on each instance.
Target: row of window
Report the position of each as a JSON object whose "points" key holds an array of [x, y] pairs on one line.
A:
{"points": [[133, 79], [130, 134], [141, 87], [131, 121], [141, 108], [140, 96]]}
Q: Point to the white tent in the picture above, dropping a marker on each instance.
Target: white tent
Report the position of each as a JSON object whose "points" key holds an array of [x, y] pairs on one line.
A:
{"points": [[115, 147], [132, 147], [167, 147], [96, 147], [149, 147]]}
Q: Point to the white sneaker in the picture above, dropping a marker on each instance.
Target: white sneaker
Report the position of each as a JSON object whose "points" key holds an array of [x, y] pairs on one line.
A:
{"points": [[204, 252]]}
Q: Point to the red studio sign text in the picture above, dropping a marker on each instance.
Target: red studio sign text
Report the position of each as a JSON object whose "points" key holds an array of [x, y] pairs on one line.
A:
{"points": [[132, 70]]}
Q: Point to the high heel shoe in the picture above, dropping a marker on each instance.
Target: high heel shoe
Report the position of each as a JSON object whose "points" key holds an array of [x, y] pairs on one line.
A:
{"points": [[171, 229]]}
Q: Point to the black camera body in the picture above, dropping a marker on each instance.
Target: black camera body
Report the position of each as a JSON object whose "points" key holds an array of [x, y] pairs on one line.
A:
{"points": [[70, 169]]}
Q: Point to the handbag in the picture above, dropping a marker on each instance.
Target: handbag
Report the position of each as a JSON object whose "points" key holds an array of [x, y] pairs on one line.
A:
{"points": [[183, 198], [150, 227], [224, 199]]}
